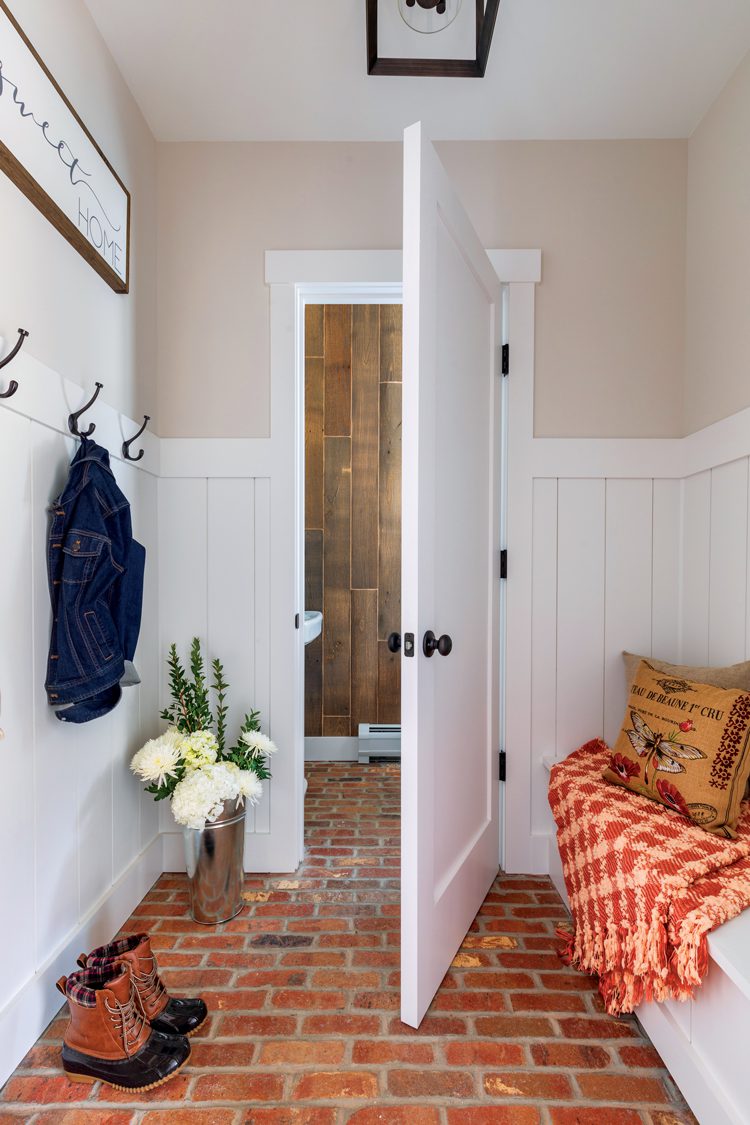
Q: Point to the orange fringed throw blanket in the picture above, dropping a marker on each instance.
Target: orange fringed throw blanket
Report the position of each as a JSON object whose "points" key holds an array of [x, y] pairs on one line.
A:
{"points": [[645, 885]]}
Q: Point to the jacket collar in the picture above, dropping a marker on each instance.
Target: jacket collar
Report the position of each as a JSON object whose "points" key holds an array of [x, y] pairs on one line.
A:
{"points": [[90, 451], [87, 453]]}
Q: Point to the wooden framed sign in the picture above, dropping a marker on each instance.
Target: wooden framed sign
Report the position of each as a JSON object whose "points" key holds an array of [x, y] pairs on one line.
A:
{"points": [[50, 155]]}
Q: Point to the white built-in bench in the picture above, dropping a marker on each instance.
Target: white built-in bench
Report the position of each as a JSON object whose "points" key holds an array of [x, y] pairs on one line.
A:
{"points": [[705, 1042]]}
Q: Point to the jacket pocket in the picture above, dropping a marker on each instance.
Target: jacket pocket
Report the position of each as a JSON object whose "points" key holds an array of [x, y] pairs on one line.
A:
{"points": [[80, 552], [98, 636]]}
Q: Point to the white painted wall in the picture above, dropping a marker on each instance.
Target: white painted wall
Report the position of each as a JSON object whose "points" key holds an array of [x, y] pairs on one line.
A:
{"points": [[80, 839], [653, 565], [215, 584]]}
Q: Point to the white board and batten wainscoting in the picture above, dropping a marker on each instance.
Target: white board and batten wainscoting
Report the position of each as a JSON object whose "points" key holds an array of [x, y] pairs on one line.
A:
{"points": [[81, 842], [643, 545]]}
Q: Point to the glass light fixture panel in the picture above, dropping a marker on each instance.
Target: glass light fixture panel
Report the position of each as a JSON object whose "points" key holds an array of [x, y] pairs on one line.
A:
{"points": [[429, 16]]}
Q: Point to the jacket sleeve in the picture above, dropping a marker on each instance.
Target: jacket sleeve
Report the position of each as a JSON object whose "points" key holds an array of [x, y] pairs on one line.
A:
{"points": [[130, 601], [127, 593]]}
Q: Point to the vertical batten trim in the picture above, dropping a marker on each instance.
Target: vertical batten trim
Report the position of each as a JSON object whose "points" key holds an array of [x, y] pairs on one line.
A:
{"points": [[605, 614], [34, 716], [747, 558]]}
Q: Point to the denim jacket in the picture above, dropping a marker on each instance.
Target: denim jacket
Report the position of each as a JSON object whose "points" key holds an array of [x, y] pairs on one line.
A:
{"points": [[95, 570]]}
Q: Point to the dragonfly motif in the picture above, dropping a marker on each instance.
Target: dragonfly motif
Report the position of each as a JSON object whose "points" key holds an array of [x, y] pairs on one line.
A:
{"points": [[671, 686], [663, 752]]}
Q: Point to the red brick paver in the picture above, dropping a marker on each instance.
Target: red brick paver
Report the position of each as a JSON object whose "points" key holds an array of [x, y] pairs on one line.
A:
{"points": [[303, 989]]}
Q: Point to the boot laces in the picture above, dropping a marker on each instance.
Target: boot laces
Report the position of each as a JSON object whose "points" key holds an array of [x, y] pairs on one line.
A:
{"points": [[150, 987], [128, 1020]]}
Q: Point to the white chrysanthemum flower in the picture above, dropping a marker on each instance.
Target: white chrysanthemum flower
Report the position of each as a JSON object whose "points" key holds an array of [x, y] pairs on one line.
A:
{"points": [[195, 799], [257, 742], [199, 749], [201, 794], [158, 759], [251, 787]]}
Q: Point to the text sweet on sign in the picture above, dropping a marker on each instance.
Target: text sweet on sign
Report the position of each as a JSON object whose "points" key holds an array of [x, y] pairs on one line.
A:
{"points": [[50, 155]]}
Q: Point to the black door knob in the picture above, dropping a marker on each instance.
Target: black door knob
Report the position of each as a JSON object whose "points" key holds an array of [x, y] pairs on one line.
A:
{"points": [[394, 642], [432, 644]]}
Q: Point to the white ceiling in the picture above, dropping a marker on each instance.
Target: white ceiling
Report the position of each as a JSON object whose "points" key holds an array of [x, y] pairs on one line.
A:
{"points": [[295, 70]]}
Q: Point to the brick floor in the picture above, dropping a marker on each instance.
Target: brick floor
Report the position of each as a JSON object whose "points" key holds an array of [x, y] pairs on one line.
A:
{"points": [[303, 990]]}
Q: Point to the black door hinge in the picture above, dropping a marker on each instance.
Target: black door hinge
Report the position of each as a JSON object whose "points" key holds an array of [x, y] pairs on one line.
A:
{"points": [[502, 765], [505, 359], [503, 563]]}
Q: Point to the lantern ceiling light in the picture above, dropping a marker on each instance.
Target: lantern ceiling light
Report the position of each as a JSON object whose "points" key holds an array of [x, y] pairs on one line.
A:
{"points": [[427, 18]]}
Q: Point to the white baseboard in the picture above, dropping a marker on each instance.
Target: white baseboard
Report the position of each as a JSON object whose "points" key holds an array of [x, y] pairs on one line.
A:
{"points": [[339, 749], [24, 1018], [700, 1084], [555, 868]]}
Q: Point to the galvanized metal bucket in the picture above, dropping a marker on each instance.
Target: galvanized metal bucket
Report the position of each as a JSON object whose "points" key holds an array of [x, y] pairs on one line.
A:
{"points": [[214, 860]]}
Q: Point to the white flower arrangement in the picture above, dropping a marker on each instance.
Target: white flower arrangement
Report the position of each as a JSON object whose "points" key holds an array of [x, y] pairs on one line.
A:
{"points": [[189, 764]]}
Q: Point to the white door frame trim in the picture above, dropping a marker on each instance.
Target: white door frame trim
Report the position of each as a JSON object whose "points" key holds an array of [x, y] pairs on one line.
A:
{"points": [[293, 276]]}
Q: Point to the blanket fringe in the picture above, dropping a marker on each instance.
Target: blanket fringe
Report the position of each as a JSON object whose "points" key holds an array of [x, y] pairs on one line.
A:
{"points": [[634, 964], [567, 941]]}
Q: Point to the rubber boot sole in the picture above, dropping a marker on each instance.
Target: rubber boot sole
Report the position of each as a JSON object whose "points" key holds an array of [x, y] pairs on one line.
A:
{"points": [[190, 1034], [90, 1079]]}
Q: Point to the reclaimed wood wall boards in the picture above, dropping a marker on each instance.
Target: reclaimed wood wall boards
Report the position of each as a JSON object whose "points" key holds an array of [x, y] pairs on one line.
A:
{"points": [[352, 514]]}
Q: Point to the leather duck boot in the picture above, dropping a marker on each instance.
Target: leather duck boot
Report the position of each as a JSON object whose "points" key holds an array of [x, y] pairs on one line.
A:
{"points": [[164, 1012], [109, 1040]]}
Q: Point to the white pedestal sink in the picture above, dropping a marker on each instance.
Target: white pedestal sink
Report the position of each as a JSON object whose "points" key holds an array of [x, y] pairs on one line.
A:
{"points": [[313, 625]]}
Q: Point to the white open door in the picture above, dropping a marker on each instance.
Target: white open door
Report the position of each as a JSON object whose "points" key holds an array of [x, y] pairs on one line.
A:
{"points": [[450, 575]]}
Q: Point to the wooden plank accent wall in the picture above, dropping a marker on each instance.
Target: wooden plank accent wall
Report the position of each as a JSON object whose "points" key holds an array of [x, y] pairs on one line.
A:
{"points": [[365, 428], [314, 651], [337, 357], [352, 514], [337, 584]]}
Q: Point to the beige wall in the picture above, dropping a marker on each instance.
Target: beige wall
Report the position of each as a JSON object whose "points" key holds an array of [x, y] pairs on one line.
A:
{"points": [[220, 207], [78, 325], [717, 368], [609, 217]]}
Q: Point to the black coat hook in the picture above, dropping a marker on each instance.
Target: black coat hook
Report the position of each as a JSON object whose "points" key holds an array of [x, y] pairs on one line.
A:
{"points": [[73, 418], [127, 444], [13, 385]]}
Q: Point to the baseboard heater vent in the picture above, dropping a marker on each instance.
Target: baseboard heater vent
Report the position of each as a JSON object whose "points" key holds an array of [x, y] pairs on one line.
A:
{"points": [[379, 742]]}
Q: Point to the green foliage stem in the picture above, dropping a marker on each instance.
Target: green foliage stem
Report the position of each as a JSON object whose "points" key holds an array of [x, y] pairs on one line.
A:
{"points": [[190, 711], [221, 687]]}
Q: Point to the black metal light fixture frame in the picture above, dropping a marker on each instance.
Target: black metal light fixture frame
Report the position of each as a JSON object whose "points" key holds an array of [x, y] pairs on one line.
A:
{"points": [[433, 68]]}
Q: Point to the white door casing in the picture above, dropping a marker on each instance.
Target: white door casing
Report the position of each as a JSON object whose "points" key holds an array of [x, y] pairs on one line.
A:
{"points": [[450, 575]]}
